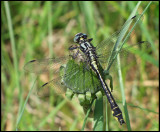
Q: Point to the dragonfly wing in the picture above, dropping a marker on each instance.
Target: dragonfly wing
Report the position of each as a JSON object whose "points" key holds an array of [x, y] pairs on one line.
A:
{"points": [[127, 55], [56, 85], [44, 65], [130, 58], [81, 81], [106, 47], [77, 77], [53, 86]]}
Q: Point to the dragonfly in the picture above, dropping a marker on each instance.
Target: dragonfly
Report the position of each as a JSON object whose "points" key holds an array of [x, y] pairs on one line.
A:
{"points": [[87, 68]]}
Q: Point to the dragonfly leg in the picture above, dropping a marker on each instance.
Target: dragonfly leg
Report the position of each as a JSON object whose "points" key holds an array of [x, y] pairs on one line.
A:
{"points": [[74, 53]]}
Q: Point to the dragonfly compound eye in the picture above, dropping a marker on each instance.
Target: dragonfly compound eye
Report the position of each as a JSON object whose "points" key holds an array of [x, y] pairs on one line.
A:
{"points": [[84, 36], [79, 36], [76, 39]]}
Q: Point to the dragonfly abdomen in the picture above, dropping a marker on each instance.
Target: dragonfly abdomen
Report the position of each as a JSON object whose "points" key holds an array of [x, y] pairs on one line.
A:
{"points": [[117, 114], [114, 107]]}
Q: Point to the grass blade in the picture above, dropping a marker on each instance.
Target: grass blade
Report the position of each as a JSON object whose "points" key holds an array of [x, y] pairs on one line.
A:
{"points": [[15, 60], [87, 114], [119, 66], [98, 115], [22, 110]]}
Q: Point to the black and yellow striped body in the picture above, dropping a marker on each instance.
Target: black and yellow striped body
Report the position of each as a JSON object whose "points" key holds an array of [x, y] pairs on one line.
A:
{"points": [[89, 50]]}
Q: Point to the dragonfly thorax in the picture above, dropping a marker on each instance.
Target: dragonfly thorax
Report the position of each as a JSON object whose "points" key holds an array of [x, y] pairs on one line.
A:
{"points": [[85, 47]]}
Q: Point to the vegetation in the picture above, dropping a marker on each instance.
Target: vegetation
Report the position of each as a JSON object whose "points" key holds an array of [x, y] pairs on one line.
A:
{"points": [[35, 30]]}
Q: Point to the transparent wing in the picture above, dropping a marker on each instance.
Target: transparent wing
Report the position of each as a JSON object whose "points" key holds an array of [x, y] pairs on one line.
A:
{"points": [[44, 65], [106, 47], [83, 80], [141, 48], [50, 65], [57, 84], [53, 86], [130, 59], [77, 77]]}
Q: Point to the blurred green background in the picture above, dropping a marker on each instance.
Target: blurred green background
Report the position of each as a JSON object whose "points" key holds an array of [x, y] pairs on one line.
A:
{"points": [[33, 30]]}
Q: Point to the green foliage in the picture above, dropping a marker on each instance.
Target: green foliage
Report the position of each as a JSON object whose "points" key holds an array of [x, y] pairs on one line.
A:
{"points": [[34, 30]]}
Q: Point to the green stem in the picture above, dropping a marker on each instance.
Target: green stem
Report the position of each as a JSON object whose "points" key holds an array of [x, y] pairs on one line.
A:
{"points": [[22, 111], [123, 94], [87, 114], [15, 62]]}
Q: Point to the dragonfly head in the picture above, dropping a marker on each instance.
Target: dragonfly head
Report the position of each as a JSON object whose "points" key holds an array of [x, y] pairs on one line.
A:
{"points": [[80, 37]]}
